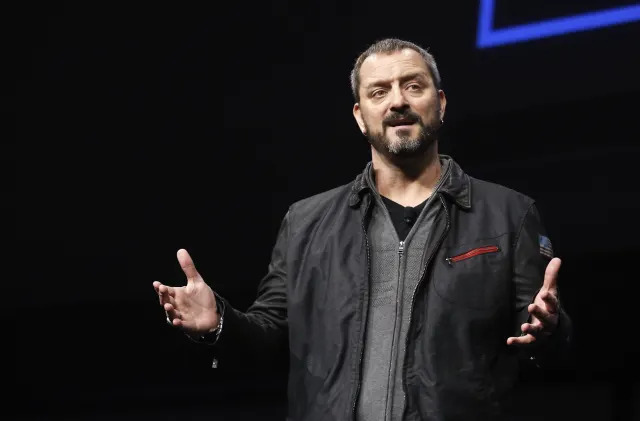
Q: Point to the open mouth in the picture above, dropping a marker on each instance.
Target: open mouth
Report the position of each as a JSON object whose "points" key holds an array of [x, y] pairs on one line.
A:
{"points": [[401, 123]]}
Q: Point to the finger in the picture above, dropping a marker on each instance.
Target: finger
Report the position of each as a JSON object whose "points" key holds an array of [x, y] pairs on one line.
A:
{"points": [[166, 294], [177, 314], [171, 311], [521, 340], [538, 312], [156, 287], [167, 290], [551, 274], [167, 299], [178, 321], [174, 308], [532, 328], [170, 291], [551, 301], [186, 263]]}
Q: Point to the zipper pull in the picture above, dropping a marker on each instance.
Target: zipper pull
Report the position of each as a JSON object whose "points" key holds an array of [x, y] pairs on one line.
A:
{"points": [[401, 248], [448, 259]]}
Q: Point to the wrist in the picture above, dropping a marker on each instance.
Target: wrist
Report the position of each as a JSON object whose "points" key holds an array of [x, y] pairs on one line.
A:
{"points": [[212, 335]]}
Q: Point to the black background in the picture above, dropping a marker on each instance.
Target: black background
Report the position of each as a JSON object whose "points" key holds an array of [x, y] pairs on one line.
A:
{"points": [[144, 129]]}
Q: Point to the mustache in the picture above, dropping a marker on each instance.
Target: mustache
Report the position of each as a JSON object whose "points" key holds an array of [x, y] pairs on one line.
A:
{"points": [[395, 116]]}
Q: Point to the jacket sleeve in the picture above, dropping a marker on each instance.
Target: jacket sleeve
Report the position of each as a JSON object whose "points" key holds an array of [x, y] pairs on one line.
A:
{"points": [[261, 332], [530, 263]]}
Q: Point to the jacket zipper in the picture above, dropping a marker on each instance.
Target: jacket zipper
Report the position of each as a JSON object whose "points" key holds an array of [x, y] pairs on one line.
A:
{"points": [[471, 253], [392, 362], [413, 302], [366, 315]]}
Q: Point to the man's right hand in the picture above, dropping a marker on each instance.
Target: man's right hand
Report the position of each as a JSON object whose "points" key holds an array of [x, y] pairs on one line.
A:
{"points": [[191, 307]]}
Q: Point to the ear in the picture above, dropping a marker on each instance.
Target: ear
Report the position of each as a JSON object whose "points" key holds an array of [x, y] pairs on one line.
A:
{"points": [[443, 103], [357, 114]]}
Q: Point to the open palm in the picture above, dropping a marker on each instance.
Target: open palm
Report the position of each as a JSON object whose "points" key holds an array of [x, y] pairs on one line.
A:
{"points": [[193, 306], [544, 310]]}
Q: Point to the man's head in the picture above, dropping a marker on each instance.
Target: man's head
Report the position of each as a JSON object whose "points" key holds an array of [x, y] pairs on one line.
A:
{"points": [[399, 104]]}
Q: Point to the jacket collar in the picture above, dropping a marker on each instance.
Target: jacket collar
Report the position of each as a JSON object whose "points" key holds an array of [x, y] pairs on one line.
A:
{"points": [[456, 186]]}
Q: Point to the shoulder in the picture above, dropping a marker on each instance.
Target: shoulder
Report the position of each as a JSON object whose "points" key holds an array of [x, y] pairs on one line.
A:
{"points": [[320, 202], [493, 194]]}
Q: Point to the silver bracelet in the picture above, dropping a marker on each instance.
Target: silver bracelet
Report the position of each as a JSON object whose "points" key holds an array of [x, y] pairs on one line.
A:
{"points": [[212, 337], [206, 338]]}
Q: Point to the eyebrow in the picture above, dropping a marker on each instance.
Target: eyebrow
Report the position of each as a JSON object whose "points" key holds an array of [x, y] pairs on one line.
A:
{"points": [[404, 78]]}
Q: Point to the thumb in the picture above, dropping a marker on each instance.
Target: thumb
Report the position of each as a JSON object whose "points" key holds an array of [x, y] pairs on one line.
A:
{"points": [[551, 274], [187, 265]]}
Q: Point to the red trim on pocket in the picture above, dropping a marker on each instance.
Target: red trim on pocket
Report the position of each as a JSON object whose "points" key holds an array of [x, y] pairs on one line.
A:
{"points": [[472, 253]]}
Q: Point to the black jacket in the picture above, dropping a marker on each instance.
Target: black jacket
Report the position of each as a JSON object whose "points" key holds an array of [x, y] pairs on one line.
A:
{"points": [[458, 366]]}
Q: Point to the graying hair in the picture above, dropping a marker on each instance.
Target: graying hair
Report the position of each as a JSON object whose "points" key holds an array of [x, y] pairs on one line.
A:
{"points": [[387, 46]]}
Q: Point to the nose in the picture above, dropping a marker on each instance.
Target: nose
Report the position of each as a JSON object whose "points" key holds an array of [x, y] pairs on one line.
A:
{"points": [[398, 101]]}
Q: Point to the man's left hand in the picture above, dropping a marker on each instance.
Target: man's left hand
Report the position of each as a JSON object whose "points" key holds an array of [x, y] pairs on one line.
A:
{"points": [[544, 309]]}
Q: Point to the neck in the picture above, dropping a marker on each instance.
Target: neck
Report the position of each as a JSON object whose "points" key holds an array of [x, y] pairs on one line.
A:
{"points": [[407, 181]]}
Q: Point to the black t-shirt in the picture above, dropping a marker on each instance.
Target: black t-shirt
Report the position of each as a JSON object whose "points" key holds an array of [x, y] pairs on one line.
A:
{"points": [[403, 217]]}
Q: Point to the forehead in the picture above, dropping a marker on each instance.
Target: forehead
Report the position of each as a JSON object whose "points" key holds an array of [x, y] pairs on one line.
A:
{"points": [[385, 66]]}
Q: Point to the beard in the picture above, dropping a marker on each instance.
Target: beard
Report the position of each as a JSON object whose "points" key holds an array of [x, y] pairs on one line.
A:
{"points": [[404, 145]]}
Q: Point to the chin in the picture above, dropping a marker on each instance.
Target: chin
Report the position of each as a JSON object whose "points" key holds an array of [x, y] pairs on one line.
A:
{"points": [[400, 135]]}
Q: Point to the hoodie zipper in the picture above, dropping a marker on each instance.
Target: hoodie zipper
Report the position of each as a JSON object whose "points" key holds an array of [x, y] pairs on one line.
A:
{"points": [[366, 315], [471, 253]]}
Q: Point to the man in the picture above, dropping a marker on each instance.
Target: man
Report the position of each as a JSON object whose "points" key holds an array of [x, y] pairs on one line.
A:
{"points": [[409, 294]]}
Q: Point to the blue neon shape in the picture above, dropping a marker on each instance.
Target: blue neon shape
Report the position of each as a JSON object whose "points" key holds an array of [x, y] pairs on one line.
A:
{"points": [[489, 37]]}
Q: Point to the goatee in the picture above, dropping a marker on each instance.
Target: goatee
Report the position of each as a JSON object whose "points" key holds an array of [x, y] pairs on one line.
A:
{"points": [[404, 146]]}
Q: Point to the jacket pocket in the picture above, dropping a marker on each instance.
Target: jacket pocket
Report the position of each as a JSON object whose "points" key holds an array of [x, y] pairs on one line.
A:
{"points": [[472, 253], [475, 274]]}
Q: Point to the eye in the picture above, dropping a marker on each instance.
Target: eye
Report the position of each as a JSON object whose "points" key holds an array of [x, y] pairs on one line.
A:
{"points": [[379, 93], [414, 87]]}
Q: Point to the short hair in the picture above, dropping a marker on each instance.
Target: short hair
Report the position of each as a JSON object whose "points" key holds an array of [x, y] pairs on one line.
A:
{"points": [[391, 45]]}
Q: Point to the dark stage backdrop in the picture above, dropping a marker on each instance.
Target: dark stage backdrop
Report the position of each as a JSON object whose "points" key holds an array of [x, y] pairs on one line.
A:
{"points": [[142, 129]]}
